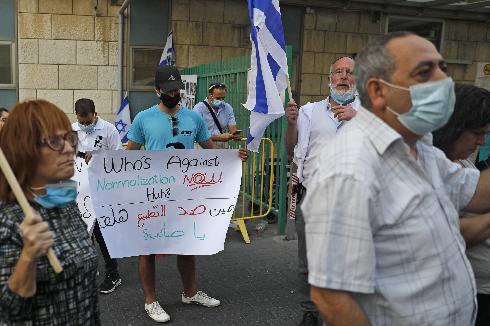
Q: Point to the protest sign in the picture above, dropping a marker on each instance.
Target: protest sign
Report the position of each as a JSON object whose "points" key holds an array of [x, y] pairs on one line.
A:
{"points": [[84, 200], [173, 201], [188, 94]]}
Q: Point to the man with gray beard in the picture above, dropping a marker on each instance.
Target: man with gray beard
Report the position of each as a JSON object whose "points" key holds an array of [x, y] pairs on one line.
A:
{"points": [[307, 129]]}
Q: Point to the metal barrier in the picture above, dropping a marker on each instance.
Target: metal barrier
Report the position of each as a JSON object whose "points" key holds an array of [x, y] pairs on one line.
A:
{"points": [[258, 179]]}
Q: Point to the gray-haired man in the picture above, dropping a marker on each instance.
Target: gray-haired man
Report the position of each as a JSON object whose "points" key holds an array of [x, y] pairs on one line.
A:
{"points": [[307, 129]]}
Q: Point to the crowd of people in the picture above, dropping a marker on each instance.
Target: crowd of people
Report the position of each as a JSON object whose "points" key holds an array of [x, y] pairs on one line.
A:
{"points": [[393, 217]]}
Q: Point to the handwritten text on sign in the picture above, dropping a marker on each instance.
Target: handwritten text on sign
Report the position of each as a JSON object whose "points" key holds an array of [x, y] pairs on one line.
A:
{"points": [[174, 201], [84, 200]]}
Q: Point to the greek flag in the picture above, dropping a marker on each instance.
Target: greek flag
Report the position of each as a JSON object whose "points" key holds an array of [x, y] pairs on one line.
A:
{"points": [[168, 54], [123, 120], [268, 75]]}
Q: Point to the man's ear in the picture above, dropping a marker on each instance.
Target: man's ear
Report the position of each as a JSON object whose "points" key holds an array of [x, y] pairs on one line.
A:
{"points": [[375, 93]]}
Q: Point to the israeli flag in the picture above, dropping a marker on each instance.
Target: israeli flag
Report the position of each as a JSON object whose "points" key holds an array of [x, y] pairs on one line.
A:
{"points": [[268, 75], [123, 120], [168, 54]]}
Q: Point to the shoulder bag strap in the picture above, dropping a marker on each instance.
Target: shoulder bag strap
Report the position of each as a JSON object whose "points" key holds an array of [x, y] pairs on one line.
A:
{"points": [[214, 116]]}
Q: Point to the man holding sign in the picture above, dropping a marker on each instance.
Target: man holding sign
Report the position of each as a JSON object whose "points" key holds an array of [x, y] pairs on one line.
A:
{"points": [[166, 126]]}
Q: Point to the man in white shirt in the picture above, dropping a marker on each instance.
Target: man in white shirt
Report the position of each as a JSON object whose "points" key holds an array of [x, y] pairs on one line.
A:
{"points": [[381, 212], [309, 127], [94, 133]]}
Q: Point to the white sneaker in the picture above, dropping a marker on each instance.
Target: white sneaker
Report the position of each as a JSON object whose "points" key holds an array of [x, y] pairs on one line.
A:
{"points": [[156, 312], [202, 299]]}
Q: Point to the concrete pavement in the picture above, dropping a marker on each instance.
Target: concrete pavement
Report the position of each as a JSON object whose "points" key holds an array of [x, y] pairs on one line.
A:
{"points": [[257, 284]]}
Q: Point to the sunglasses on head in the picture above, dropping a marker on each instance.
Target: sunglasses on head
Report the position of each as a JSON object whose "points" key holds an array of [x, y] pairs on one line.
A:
{"points": [[214, 85], [57, 142], [175, 129]]}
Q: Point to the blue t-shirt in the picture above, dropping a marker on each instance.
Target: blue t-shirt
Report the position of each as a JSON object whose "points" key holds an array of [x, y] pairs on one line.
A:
{"points": [[154, 129]]}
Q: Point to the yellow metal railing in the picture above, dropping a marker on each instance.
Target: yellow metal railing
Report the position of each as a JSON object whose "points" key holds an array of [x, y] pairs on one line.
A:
{"points": [[256, 191]]}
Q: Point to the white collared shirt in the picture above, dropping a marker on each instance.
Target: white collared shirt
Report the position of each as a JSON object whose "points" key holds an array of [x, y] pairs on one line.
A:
{"points": [[384, 226], [316, 124], [105, 136]]}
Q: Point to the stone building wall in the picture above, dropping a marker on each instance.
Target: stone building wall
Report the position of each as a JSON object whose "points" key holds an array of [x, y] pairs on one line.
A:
{"points": [[67, 51], [206, 31], [329, 34]]}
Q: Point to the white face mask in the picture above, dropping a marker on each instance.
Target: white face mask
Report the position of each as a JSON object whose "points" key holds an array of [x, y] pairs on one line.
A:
{"points": [[432, 105], [342, 97], [218, 103]]}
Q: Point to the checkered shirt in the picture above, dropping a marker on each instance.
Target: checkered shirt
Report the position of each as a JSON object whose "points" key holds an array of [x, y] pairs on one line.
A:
{"points": [[68, 298], [384, 226]]}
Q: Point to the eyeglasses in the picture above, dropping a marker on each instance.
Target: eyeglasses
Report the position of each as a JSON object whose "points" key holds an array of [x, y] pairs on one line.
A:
{"points": [[214, 85], [175, 129], [57, 142], [340, 71]]}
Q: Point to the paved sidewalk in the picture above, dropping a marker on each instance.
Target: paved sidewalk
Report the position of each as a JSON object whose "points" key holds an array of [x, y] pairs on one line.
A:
{"points": [[256, 283]]}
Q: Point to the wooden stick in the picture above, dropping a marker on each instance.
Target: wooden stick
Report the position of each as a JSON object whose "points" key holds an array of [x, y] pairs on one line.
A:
{"points": [[24, 204], [290, 93]]}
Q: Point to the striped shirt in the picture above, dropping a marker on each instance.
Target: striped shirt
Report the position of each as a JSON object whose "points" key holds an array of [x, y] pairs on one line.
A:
{"points": [[68, 298], [384, 226]]}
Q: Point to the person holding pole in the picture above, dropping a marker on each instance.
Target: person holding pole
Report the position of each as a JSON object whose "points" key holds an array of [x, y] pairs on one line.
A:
{"points": [[306, 131], [40, 147]]}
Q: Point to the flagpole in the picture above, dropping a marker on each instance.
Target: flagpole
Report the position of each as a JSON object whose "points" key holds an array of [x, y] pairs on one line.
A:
{"points": [[290, 93]]}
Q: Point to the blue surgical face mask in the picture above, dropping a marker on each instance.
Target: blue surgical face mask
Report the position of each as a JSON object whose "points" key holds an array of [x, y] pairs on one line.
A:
{"points": [[341, 97], [87, 129], [432, 105], [218, 103], [58, 195]]}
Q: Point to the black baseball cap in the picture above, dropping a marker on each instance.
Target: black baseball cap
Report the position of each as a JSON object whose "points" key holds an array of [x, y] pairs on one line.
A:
{"points": [[168, 78]]}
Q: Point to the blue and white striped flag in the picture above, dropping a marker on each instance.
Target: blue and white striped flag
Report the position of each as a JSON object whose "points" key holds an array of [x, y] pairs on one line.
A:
{"points": [[168, 54], [123, 120], [268, 75]]}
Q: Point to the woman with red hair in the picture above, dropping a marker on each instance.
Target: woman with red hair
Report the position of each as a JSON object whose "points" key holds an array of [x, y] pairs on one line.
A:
{"points": [[40, 145]]}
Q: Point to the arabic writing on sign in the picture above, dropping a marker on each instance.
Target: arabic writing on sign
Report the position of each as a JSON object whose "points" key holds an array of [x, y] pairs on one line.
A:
{"points": [[158, 210], [162, 233], [171, 201], [86, 212], [221, 211], [112, 219], [198, 210]]}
